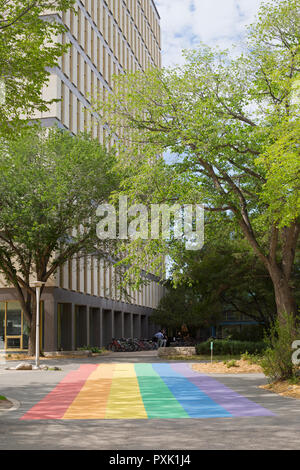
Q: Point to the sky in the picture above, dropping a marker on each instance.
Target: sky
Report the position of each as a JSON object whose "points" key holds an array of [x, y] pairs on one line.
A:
{"points": [[186, 23]]}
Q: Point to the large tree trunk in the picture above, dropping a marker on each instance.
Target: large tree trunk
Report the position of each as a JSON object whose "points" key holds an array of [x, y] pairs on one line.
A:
{"points": [[281, 274], [284, 296], [28, 303]]}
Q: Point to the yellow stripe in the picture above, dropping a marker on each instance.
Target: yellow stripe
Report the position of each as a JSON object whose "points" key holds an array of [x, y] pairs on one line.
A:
{"points": [[91, 401], [125, 400]]}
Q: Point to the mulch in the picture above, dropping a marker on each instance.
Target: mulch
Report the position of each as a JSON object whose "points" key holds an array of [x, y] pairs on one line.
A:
{"points": [[284, 388], [241, 367], [5, 405]]}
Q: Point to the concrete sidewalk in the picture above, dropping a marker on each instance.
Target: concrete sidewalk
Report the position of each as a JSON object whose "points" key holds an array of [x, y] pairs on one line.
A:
{"points": [[281, 431]]}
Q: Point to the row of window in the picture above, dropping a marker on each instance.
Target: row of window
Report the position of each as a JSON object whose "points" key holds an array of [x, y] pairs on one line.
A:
{"points": [[80, 70], [120, 41], [75, 116], [91, 76], [141, 12], [94, 277]]}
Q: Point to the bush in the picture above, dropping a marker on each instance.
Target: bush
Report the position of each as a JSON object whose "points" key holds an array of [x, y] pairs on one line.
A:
{"points": [[230, 364], [223, 347], [277, 361], [253, 333], [251, 358]]}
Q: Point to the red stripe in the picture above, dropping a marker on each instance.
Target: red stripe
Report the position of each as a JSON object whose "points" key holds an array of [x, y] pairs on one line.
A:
{"points": [[55, 404]]}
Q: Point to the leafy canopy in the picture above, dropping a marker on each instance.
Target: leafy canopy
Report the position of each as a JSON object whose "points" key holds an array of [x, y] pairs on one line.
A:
{"points": [[28, 48], [224, 119], [51, 184]]}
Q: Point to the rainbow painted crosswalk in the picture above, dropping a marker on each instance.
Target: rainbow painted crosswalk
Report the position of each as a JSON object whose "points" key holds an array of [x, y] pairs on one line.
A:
{"points": [[141, 391]]}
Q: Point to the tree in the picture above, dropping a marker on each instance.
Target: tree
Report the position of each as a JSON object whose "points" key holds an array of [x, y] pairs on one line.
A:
{"points": [[281, 163], [219, 114], [27, 46], [51, 184], [224, 277], [180, 307], [277, 363]]}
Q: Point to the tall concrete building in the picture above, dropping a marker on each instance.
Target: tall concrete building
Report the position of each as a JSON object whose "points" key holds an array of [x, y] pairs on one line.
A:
{"points": [[106, 38], [79, 305]]}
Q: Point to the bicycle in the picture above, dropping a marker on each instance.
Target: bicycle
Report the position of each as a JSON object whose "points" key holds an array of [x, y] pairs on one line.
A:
{"points": [[115, 346]]}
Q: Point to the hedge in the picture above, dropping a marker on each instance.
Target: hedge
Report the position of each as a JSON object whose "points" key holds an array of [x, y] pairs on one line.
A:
{"points": [[223, 346]]}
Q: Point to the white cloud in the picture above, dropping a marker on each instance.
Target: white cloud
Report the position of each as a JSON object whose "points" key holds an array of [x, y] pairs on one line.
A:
{"points": [[186, 23]]}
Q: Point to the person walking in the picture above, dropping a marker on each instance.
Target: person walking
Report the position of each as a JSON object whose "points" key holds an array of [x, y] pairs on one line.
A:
{"points": [[161, 341]]}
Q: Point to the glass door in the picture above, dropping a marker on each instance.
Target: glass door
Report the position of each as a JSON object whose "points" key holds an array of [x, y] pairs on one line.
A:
{"points": [[14, 329], [13, 337]]}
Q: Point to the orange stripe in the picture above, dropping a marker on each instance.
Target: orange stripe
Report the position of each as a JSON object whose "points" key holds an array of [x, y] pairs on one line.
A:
{"points": [[55, 404], [91, 401]]}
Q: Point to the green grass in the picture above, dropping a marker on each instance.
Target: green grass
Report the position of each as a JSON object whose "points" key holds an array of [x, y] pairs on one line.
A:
{"points": [[2, 397]]}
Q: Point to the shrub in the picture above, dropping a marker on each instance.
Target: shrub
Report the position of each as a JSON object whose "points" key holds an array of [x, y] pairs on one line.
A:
{"points": [[93, 349], [277, 361], [248, 333], [251, 358], [231, 364], [223, 347]]}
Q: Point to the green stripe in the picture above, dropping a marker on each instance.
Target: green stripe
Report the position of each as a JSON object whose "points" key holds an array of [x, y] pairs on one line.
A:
{"points": [[158, 400]]}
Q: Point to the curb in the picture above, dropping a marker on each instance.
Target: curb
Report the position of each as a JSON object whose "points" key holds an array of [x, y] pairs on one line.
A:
{"points": [[16, 405], [58, 354]]}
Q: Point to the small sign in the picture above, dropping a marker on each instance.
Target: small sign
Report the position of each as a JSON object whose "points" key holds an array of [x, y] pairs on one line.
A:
{"points": [[211, 345]]}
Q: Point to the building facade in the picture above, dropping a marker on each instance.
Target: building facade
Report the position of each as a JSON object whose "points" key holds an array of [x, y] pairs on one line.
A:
{"points": [[79, 305]]}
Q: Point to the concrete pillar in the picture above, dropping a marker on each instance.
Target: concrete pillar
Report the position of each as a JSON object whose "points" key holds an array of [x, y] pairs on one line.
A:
{"points": [[50, 325], [123, 327], [118, 324], [73, 327], [136, 325], [131, 325], [88, 325], [127, 325], [144, 327], [101, 328], [113, 324]]}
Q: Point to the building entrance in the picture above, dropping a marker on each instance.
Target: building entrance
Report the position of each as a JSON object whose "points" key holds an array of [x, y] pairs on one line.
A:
{"points": [[14, 333]]}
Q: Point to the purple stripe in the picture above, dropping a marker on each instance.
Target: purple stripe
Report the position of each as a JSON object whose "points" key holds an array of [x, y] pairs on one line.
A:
{"points": [[234, 403]]}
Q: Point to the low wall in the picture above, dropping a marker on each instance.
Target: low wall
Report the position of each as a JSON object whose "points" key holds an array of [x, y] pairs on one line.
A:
{"points": [[85, 353], [177, 351]]}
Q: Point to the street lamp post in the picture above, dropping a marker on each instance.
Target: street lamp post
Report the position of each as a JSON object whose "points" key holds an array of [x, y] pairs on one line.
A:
{"points": [[37, 285]]}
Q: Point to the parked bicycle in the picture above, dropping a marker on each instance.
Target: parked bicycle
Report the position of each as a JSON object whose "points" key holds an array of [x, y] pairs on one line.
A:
{"points": [[130, 345]]}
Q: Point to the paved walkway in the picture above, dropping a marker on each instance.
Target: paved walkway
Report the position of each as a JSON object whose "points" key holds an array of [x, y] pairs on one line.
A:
{"points": [[134, 409], [141, 391]]}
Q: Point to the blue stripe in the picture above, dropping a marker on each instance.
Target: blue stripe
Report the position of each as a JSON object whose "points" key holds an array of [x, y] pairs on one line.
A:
{"points": [[195, 402]]}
